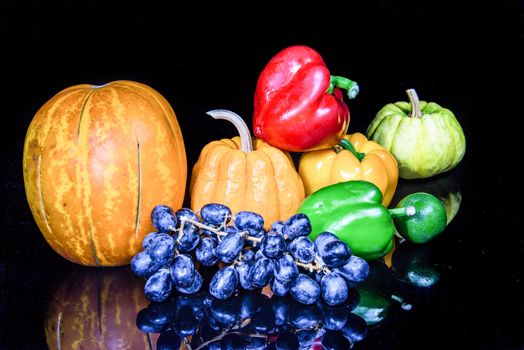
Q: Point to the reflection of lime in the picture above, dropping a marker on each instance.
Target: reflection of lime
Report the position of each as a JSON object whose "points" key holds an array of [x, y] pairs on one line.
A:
{"points": [[414, 264], [423, 276]]}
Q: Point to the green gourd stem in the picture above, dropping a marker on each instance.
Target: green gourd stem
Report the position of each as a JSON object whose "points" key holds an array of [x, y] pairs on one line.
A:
{"points": [[246, 144], [415, 104], [403, 211], [343, 83], [349, 146]]}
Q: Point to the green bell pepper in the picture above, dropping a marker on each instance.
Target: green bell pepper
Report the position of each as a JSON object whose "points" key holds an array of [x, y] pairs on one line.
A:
{"points": [[352, 210]]}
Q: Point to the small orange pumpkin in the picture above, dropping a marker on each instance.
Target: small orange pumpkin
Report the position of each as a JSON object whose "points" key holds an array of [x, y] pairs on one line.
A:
{"points": [[362, 160], [97, 159], [246, 174]]}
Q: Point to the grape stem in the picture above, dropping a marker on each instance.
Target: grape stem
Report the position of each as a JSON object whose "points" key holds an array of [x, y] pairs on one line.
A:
{"points": [[219, 233], [316, 265]]}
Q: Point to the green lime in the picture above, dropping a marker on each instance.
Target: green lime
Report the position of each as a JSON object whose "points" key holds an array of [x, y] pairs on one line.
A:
{"points": [[425, 217]]}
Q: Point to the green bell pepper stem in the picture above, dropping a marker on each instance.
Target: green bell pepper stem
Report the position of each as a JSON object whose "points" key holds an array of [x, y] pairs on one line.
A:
{"points": [[348, 146], [343, 83], [404, 305], [403, 211]]}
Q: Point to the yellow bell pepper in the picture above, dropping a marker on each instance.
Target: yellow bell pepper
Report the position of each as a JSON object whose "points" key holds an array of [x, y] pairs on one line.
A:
{"points": [[355, 158]]}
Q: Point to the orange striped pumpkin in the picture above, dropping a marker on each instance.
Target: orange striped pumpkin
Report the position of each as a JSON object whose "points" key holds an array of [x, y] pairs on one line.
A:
{"points": [[97, 309], [97, 159]]}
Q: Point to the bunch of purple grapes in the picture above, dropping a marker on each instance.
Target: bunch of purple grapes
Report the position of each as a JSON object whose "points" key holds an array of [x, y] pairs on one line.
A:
{"points": [[284, 257]]}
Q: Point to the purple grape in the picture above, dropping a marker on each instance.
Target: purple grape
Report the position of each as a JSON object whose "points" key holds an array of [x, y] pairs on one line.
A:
{"points": [[194, 287], [273, 245], [286, 270], [249, 221], [305, 290], [243, 274], [188, 240], [354, 271], [335, 253], [261, 272], [183, 270], [143, 266], [186, 213], [224, 283], [248, 254], [163, 248], [230, 247], [323, 239], [277, 227], [334, 289], [163, 218], [206, 252], [216, 214], [149, 239], [302, 249], [278, 288], [297, 225]]}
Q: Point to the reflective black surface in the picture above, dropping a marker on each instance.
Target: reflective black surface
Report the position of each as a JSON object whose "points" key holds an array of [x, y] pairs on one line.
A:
{"points": [[466, 56]]}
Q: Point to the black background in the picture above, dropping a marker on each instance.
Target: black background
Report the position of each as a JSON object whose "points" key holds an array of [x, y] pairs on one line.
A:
{"points": [[466, 56]]}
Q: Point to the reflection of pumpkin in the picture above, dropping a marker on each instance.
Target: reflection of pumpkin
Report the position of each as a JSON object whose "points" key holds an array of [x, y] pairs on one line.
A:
{"points": [[355, 158], [246, 174], [96, 309], [445, 187], [97, 159]]}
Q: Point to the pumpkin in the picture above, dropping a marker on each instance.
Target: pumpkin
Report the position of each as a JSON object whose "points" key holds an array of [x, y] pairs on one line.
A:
{"points": [[355, 158], [246, 174], [97, 159], [97, 309]]}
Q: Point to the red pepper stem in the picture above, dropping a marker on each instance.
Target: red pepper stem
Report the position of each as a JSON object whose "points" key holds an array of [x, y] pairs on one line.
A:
{"points": [[343, 83], [415, 103], [349, 146], [246, 143], [403, 211]]}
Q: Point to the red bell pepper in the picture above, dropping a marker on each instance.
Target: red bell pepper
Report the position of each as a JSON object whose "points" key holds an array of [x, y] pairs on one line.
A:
{"points": [[298, 104]]}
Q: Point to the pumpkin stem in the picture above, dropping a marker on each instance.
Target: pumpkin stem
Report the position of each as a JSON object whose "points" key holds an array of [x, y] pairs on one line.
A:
{"points": [[246, 144], [415, 104]]}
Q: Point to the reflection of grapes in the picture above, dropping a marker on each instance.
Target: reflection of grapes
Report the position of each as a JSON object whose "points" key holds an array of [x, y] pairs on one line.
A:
{"points": [[251, 320], [285, 258]]}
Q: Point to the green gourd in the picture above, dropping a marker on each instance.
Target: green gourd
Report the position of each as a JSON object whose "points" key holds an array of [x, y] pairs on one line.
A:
{"points": [[425, 138]]}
